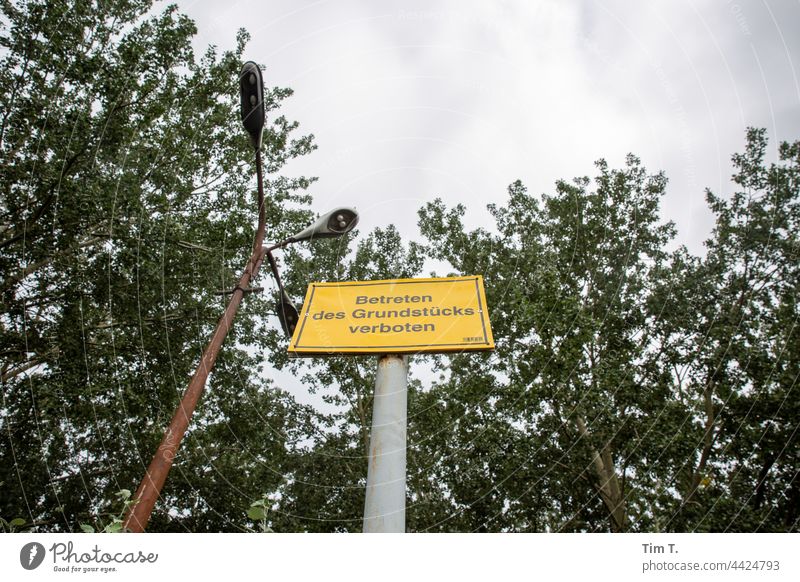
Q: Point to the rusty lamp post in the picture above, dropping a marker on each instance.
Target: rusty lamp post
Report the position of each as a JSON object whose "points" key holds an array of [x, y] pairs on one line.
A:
{"points": [[333, 224]]}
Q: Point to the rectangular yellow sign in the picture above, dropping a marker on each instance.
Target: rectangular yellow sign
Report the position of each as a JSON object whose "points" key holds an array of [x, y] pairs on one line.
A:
{"points": [[393, 316]]}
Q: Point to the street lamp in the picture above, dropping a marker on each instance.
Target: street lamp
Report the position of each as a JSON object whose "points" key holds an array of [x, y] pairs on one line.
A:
{"points": [[335, 223], [251, 92]]}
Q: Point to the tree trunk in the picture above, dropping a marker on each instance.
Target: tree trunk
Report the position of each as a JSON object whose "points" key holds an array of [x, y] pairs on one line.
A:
{"points": [[607, 484], [708, 442]]}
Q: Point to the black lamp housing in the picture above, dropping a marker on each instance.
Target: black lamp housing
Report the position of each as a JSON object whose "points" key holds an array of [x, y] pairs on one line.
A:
{"points": [[251, 90], [287, 313]]}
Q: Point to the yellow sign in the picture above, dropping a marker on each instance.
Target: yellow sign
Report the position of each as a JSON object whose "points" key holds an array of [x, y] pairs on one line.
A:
{"points": [[394, 316]]}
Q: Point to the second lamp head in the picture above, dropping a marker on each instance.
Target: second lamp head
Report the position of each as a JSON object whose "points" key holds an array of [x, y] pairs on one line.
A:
{"points": [[251, 91]]}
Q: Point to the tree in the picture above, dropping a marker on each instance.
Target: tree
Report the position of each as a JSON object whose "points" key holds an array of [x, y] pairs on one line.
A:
{"points": [[631, 389], [126, 205], [569, 282], [735, 349]]}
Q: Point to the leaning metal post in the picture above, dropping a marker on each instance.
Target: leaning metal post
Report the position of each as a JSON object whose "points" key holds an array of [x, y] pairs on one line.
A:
{"points": [[146, 495], [385, 503]]}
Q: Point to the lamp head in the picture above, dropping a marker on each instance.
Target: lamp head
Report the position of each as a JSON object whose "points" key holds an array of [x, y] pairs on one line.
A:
{"points": [[333, 224], [251, 90], [287, 313]]}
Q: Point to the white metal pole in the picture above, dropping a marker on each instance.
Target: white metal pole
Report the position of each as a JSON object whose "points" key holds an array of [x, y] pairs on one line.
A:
{"points": [[385, 504]]}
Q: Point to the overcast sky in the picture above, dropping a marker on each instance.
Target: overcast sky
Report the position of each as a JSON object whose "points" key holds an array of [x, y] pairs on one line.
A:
{"points": [[413, 100]]}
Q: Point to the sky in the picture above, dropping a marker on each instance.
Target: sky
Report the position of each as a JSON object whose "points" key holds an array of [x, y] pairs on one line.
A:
{"points": [[414, 100], [411, 100]]}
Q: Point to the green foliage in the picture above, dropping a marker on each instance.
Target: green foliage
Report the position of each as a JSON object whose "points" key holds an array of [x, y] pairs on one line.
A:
{"points": [[631, 389], [114, 521], [258, 512], [126, 202], [11, 526], [567, 285], [736, 353]]}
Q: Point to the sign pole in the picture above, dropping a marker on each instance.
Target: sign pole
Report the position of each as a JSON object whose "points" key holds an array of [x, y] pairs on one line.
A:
{"points": [[385, 503]]}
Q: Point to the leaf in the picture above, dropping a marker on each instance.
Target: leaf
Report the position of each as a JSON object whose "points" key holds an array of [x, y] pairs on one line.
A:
{"points": [[256, 513], [86, 528], [123, 493]]}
